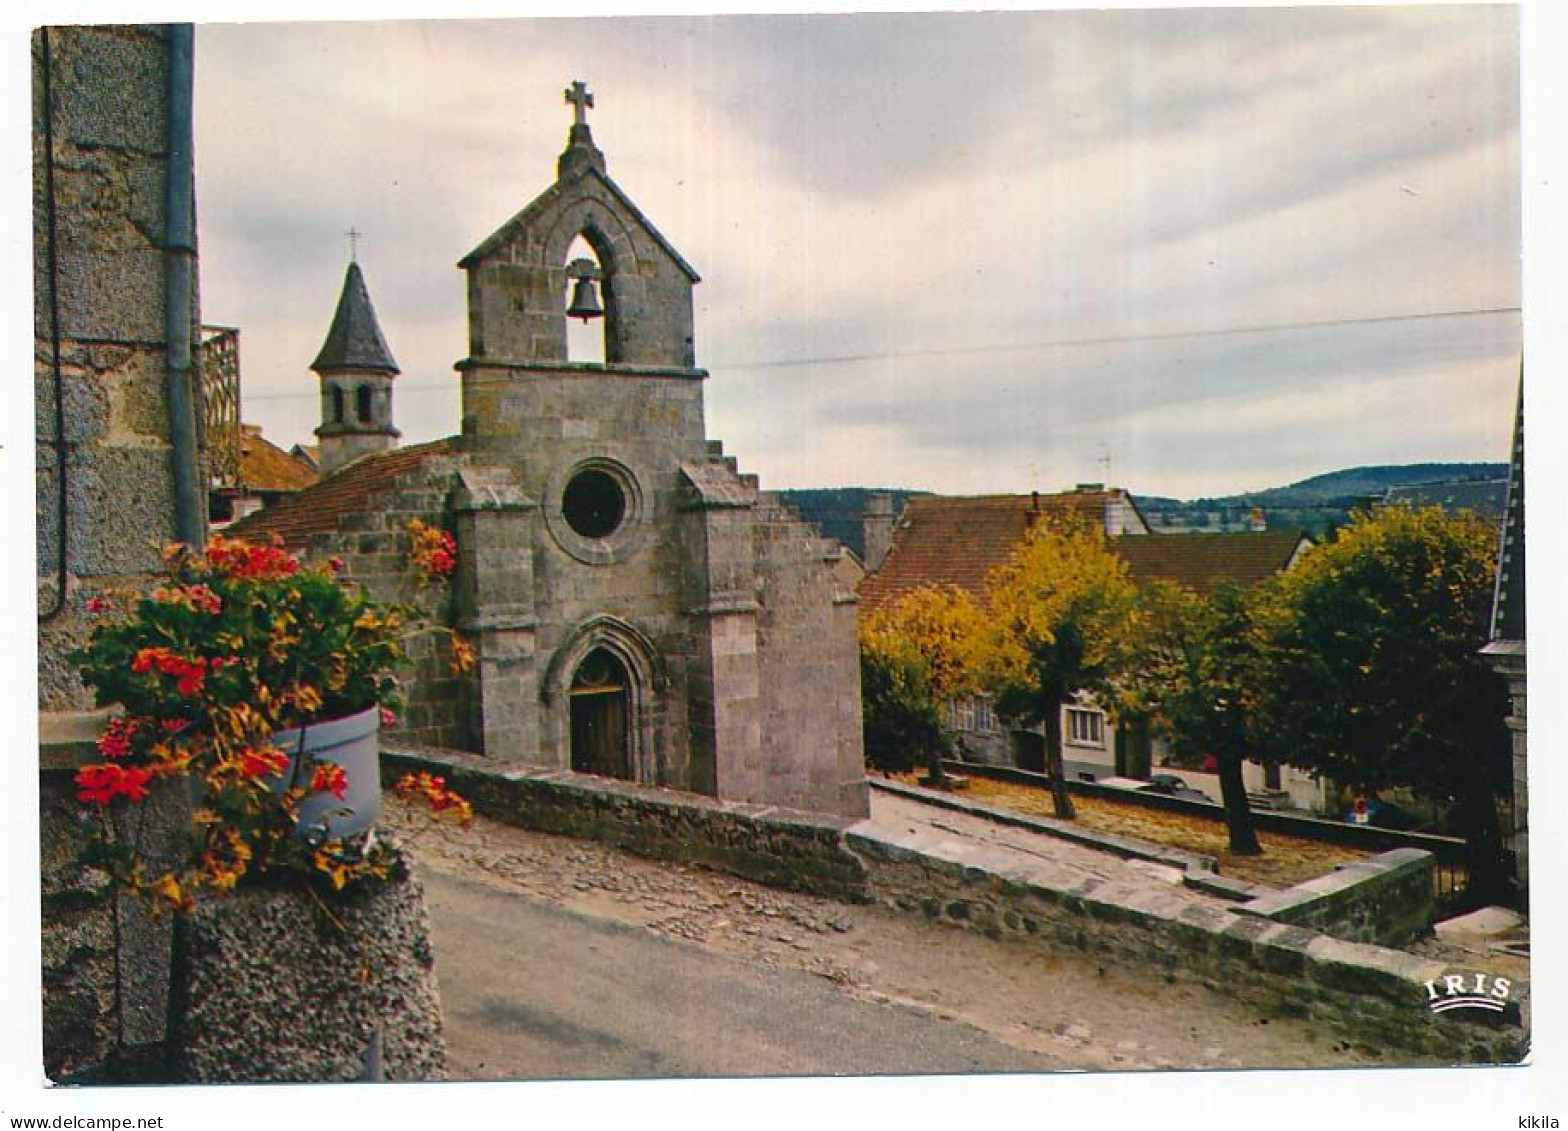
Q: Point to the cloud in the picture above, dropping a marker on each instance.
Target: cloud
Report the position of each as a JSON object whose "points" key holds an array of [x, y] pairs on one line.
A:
{"points": [[919, 186]]}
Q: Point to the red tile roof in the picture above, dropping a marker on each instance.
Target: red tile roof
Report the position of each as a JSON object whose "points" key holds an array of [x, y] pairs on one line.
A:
{"points": [[1203, 562], [349, 490], [959, 541], [945, 540], [266, 467]]}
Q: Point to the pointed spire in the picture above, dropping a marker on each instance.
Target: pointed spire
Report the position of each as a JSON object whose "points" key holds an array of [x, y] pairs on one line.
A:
{"points": [[354, 341], [1508, 598]]}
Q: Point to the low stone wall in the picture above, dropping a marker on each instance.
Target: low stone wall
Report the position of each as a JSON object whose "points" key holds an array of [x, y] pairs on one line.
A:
{"points": [[272, 986], [1386, 899], [775, 846], [1369, 995]]}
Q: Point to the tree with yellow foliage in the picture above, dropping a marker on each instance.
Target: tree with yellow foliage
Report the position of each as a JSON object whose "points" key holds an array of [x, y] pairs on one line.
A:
{"points": [[918, 655], [1056, 613]]}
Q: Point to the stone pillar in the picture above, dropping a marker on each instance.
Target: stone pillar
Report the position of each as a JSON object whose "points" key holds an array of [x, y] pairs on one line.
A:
{"points": [[275, 986], [495, 591], [104, 184], [725, 720], [95, 938], [876, 526], [1508, 660]]}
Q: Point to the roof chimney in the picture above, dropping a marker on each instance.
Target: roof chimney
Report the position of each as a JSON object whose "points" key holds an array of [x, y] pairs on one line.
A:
{"points": [[876, 528]]}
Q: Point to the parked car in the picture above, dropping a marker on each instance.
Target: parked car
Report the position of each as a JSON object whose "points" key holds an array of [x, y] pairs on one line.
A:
{"points": [[1169, 785]]}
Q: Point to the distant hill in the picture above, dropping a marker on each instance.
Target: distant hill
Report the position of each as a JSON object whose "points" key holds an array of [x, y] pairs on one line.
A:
{"points": [[1314, 504], [837, 510]]}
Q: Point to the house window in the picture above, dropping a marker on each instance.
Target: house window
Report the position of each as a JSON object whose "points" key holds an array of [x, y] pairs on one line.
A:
{"points": [[972, 714], [1085, 728], [337, 405], [362, 399]]}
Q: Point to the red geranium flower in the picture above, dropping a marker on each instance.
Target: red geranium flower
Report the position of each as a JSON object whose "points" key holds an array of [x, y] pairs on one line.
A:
{"points": [[99, 785], [330, 778], [116, 739], [262, 762]]}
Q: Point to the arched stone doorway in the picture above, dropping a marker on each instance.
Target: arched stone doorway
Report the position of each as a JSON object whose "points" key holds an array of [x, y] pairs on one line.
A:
{"points": [[601, 716]]}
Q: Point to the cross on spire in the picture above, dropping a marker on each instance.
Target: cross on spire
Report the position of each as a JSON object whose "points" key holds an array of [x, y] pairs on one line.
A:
{"points": [[581, 99], [353, 244]]}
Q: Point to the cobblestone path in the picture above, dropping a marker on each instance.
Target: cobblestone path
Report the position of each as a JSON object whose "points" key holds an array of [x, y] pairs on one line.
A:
{"points": [[1080, 1012]]}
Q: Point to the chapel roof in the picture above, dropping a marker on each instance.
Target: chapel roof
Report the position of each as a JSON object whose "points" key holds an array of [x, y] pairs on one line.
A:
{"points": [[354, 341], [319, 508]]}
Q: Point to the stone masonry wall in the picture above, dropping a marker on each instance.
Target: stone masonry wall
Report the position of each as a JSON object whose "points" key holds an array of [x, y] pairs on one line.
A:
{"points": [[781, 847], [809, 662], [1369, 995], [1366, 994], [1386, 900], [109, 94], [78, 943], [274, 989], [374, 546], [517, 284]]}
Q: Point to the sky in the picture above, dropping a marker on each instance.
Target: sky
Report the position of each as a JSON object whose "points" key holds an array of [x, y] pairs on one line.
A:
{"points": [[1189, 252]]}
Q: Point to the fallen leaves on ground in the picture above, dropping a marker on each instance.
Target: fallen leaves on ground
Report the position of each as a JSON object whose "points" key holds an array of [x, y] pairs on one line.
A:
{"points": [[1286, 859]]}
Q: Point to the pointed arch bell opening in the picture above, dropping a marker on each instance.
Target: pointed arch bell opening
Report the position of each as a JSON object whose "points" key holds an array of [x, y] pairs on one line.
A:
{"points": [[590, 340]]}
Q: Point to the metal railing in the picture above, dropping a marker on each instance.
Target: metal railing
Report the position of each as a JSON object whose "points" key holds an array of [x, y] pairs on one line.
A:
{"points": [[218, 378]]}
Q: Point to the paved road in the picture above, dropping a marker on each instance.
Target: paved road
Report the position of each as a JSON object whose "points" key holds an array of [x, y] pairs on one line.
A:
{"points": [[532, 990]]}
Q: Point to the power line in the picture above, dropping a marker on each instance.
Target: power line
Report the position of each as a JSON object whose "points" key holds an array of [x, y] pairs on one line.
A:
{"points": [[1171, 335], [1056, 343]]}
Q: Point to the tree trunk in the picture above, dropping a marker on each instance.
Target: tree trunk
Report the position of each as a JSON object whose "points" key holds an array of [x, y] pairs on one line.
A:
{"points": [[1238, 813], [1139, 750], [1053, 760], [936, 776]]}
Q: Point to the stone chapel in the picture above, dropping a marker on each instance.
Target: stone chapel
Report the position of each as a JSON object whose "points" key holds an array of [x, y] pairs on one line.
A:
{"points": [[639, 609]]}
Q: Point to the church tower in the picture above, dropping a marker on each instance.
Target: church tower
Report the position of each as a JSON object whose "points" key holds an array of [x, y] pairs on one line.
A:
{"points": [[673, 624], [356, 371]]}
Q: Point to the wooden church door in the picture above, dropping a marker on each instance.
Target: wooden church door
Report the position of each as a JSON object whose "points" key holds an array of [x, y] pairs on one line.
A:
{"points": [[601, 717]]}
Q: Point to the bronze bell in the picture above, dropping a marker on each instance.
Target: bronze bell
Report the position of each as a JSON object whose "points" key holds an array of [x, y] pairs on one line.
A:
{"points": [[585, 301]]}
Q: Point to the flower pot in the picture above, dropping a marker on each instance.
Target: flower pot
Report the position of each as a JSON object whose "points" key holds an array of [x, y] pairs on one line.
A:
{"points": [[352, 743]]}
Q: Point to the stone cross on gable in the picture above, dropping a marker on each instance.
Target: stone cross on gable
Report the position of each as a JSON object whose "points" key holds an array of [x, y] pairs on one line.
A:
{"points": [[581, 99]]}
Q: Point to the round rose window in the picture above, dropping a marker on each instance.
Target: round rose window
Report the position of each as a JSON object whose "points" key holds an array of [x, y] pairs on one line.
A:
{"points": [[593, 504]]}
